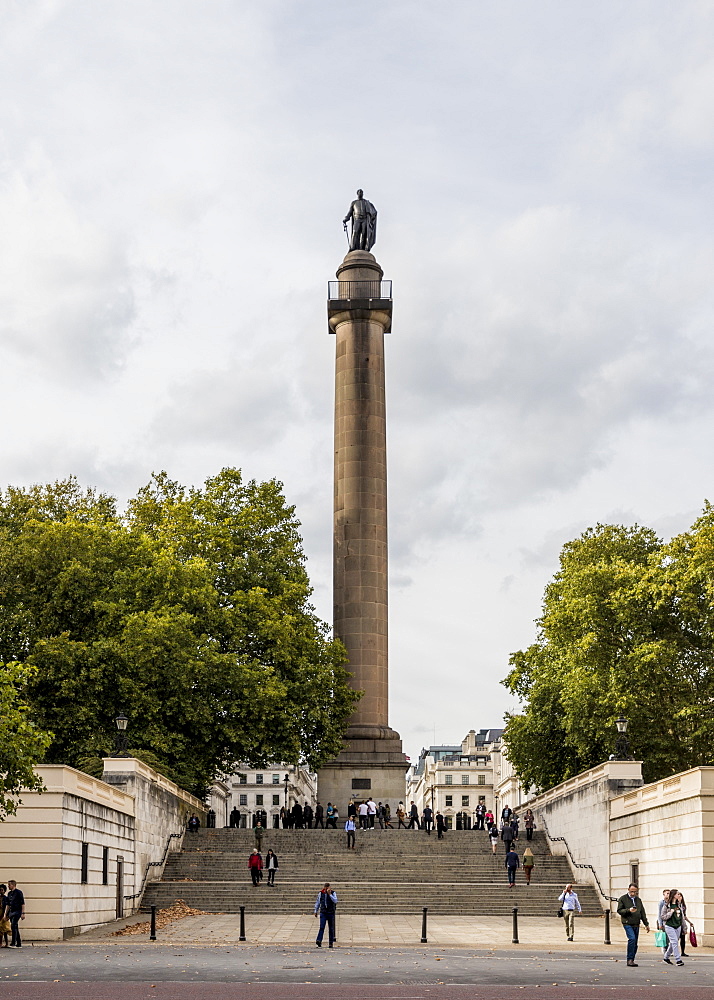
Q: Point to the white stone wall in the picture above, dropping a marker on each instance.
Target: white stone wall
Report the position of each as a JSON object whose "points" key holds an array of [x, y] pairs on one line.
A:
{"points": [[579, 811], [667, 829], [41, 848], [162, 809]]}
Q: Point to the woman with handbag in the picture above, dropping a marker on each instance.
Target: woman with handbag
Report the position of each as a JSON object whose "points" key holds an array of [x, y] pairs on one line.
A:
{"points": [[686, 924], [672, 919]]}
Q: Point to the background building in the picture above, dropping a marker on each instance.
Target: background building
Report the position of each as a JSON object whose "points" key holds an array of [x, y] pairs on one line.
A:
{"points": [[453, 779], [262, 792]]}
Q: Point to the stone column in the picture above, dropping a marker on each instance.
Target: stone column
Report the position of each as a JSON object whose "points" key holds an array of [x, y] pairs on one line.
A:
{"points": [[360, 313]]}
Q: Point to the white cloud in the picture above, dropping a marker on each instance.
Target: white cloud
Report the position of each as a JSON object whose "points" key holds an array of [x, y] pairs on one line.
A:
{"points": [[172, 180]]}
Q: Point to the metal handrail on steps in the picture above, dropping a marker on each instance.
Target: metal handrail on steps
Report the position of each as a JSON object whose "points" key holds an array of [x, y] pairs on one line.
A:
{"points": [[155, 864], [574, 863]]}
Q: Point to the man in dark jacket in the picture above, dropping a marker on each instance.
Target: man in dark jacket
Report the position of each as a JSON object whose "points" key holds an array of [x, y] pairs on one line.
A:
{"points": [[512, 863], [413, 817], [507, 836], [440, 825], [632, 913], [234, 818], [319, 815]]}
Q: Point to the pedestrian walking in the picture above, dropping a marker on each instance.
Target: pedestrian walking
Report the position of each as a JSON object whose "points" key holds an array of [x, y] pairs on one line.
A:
{"points": [[350, 830], [440, 825], [362, 812], [319, 815], [14, 912], [387, 817], [234, 818], [380, 815], [325, 907], [352, 810], [529, 823], [255, 866], [193, 824], [271, 865], [428, 819], [570, 905], [685, 923], [514, 826], [506, 814], [664, 901], [673, 921], [632, 914], [330, 820], [512, 864], [480, 816], [371, 812], [401, 816], [528, 864], [493, 837], [259, 833], [413, 816], [4, 921], [507, 836], [488, 819], [307, 816]]}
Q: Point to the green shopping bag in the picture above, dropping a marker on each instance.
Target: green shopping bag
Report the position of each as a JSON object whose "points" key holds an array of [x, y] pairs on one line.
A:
{"points": [[660, 939]]}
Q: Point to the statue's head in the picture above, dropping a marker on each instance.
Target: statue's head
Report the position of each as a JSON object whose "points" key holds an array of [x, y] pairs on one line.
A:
{"points": [[360, 193]]}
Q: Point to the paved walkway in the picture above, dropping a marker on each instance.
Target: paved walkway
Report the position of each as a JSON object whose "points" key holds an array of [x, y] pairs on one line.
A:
{"points": [[546, 934]]}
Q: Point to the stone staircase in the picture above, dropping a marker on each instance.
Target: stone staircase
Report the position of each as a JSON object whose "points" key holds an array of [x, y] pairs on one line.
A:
{"points": [[392, 871]]}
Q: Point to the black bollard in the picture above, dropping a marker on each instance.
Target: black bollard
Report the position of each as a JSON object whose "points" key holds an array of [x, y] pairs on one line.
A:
{"points": [[423, 925], [514, 940], [607, 926], [242, 924], [152, 932]]}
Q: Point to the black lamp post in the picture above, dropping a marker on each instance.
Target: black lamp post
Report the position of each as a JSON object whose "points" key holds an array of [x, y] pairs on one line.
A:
{"points": [[622, 746], [120, 743], [286, 779]]}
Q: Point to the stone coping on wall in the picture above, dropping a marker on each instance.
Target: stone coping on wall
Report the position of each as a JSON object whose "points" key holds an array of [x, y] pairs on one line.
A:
{"points": [[61, 778], [685, 785], [131, 765], [609, 770]]}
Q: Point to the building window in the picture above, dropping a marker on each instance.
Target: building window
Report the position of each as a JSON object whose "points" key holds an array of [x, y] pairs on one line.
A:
{"points": [[635, 872], [105, 866], [276, 779], [464, 800], [464, 779], [84, 877], [259, 779], [242, 779], [449, 800], [243, 800], [259, 800], [482, 779], [276, 800], [449, 779]]}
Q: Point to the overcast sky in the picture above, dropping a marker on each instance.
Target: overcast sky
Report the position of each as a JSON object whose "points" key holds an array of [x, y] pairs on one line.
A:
{"points": [[173, 176]]}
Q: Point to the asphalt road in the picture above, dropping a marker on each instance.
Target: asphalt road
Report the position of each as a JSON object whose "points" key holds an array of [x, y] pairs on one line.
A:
{"points": [[88, 972]]}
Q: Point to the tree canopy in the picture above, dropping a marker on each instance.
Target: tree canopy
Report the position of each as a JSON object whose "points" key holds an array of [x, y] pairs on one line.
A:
{"points": [[627, 628], [189, 612], [22, 743]]}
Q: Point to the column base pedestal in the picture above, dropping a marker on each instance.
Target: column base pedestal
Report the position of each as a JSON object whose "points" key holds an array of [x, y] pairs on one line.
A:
{"points": [[372, 764]]}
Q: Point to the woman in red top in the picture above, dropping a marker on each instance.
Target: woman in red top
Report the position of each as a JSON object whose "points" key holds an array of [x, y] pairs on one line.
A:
{"points": [[255, 864]]}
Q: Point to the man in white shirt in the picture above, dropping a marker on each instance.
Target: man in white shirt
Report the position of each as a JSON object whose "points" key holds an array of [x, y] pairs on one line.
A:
{"points": [[363, 815], [371, 811], [570, 904]]}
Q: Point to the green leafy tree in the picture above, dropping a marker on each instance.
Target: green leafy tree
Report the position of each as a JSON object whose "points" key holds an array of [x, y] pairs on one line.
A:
{"points": [[626, 629], [190, 612], [23, 744]]}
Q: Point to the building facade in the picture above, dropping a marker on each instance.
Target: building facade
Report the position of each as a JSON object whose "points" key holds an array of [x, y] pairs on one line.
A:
{"points": [[455, 778], [259, 794]]}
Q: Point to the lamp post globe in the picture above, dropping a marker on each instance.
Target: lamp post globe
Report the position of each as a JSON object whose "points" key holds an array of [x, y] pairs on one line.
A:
{"points": [[121, 744], [622, 745]]}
